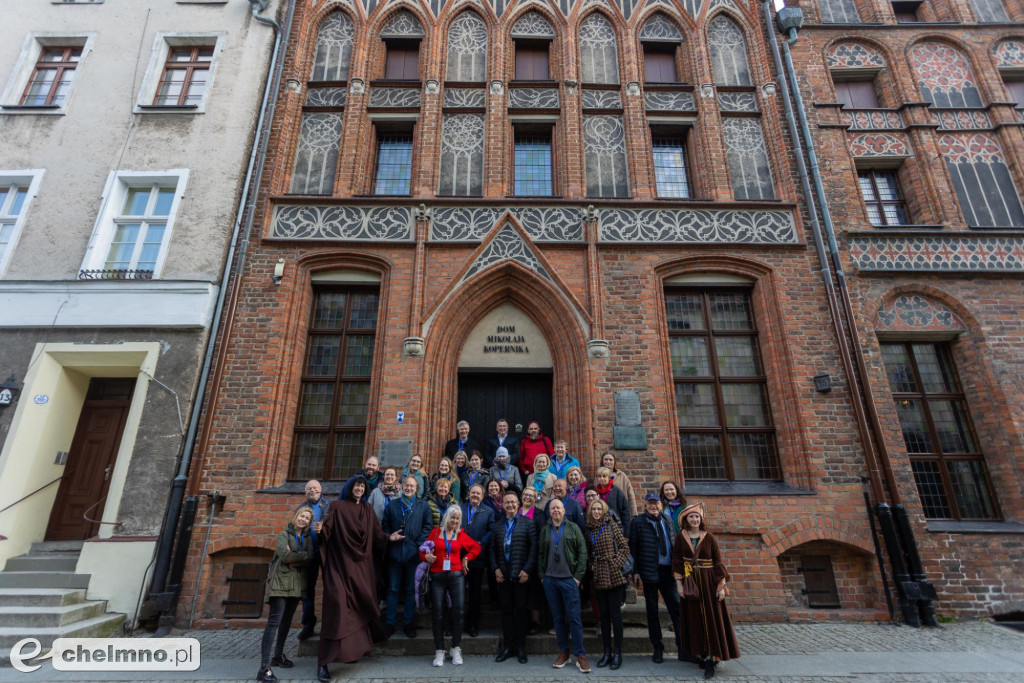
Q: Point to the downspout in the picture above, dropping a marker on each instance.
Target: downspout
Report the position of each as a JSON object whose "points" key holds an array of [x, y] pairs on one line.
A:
{"points": [[161, 600], [915, 592], [875, 477]]}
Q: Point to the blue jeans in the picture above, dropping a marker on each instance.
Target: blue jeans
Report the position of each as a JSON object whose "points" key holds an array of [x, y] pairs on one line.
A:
{"points": [[402, 577], [564, 600]]}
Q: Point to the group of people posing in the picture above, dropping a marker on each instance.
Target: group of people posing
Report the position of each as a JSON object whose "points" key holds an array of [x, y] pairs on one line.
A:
{"points": [[518, 516]]}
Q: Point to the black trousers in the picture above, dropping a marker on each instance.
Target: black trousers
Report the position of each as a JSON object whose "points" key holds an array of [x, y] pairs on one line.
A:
{"points": [[609, 603], [666, 585], [282, 610], [452, 584], [515, 612], [309, 596], [474, 584]]}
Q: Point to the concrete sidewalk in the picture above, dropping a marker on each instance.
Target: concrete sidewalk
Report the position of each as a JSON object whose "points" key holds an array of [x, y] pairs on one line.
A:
{"points": [[976, 651]]}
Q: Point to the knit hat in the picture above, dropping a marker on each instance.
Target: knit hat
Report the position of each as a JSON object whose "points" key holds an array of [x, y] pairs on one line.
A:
{"points": [[501, 452]]}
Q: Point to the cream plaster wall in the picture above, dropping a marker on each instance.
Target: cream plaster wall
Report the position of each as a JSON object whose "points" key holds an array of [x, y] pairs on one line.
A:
{"points": [[121, 588], [473, 355]]}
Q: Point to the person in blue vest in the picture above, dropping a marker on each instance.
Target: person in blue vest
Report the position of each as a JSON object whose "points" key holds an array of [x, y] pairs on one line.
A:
{"points": [[410, 516], [561, 461], [319, 505], [650, 541], [513, 560], [478, 521]]}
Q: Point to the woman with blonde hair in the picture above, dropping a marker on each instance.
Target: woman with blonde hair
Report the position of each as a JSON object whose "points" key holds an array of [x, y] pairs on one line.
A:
{"points": [[541, 480], [446, 470], [449, 560], [607, 552], [620, 480]]}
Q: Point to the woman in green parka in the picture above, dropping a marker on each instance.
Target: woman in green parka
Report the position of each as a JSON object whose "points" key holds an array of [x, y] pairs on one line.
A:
{"points": [[287, 581]]}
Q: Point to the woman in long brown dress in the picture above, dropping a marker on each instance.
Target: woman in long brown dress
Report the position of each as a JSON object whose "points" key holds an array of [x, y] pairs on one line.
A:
{"points": [[351, 542], [706, 631]]}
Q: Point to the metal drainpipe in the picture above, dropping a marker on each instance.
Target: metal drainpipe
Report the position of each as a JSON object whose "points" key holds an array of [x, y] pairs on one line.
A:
{"points": [[863, 385], [256, 158], [874, 480]]}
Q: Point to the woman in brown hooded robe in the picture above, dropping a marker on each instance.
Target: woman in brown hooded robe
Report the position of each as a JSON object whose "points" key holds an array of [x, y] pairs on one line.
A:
{"points": [[351, 542], [705, 630]]}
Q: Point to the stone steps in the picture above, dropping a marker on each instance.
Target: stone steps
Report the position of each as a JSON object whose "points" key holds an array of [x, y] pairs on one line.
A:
{"points": [[40, 597], [50, 615], [103, 626]]}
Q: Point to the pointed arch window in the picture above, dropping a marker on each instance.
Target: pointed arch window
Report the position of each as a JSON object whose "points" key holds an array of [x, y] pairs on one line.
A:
{"points": [[316, 156], [599, 61], [838, 12], [728, 52], [660, 39], [467, 49]]}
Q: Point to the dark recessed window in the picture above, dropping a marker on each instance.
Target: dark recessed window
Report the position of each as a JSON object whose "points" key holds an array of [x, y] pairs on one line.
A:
{"points": [[857, 94], [948, 465], [533, 176], [907, 12], [1016, 90], [660, 63], [725, 424], [52, 77], [403, 60], [394, 165], [882, 197], [670, 167], [334, 400], [185, 76], [532, 60]]}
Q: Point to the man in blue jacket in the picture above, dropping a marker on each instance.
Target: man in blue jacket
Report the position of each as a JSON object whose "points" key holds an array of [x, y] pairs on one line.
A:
{"points": [[561, 461], [478, 521], [409, 515]]}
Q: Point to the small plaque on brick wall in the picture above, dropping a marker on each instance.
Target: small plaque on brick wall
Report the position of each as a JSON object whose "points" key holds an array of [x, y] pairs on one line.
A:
{"points": [[630, 438], [627, 408], [395, 453]]}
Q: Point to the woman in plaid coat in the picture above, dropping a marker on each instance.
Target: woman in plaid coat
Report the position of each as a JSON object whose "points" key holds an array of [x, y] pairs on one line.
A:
{"points": [[608, 550]]}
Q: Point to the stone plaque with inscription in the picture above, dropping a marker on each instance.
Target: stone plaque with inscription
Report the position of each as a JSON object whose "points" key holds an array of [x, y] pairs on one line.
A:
{"points": [[506, 338], [394, 453], [630, 438], [627, 408]]}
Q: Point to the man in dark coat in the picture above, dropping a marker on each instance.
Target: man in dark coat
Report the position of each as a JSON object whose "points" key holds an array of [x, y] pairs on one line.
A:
{"points": [[503, 438], [463, 443], [319, 504], [514, 559], [478, 521], [573, 511], [411, 516], [650, 541]]}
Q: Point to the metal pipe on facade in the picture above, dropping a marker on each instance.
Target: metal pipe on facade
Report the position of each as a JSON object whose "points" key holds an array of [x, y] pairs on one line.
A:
{"points": [[245, 208]]}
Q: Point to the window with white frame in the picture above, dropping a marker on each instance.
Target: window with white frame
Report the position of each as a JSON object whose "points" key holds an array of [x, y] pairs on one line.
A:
{"points": [[134, 226], [45, 74], [17, 188], [180, 74]]}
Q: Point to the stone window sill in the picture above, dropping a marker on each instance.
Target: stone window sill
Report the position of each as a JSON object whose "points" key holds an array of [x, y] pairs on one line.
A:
{"points": [[938, 527], [743, 488]]}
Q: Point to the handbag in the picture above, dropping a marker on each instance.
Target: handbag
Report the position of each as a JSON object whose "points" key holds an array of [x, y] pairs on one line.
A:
{"points": [[690, 591], [629, 565]]}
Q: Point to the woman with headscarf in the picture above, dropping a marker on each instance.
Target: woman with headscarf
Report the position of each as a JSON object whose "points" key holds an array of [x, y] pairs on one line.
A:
{"points": [[607, 551], [672, 503], [620, 480], [541, 480], [292, 552], [449, 562], [705, 630], [351, 542], [446, 470]]}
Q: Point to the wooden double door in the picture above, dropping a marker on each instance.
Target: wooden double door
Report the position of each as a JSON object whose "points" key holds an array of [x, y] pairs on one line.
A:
{"points": [[519, 397]]}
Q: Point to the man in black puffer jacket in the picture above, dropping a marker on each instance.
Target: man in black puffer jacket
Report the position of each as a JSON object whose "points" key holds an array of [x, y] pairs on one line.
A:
{"points": [[650, 542], [514, 559]]}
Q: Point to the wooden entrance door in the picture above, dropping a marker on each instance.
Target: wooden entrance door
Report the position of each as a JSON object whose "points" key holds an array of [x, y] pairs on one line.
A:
{"points": [[520, 397], [90, 461]]}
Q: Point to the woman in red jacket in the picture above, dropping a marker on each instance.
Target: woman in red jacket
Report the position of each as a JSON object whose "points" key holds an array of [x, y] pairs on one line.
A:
{"points": [[449, 561]]}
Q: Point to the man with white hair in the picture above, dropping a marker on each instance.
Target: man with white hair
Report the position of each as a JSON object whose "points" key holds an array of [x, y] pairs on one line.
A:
{"points": [[561, 564], [462, 442], [319, 504]]}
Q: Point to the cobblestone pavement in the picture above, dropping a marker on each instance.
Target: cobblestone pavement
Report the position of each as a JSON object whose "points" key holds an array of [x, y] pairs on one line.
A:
{"points": [[754, 639]]}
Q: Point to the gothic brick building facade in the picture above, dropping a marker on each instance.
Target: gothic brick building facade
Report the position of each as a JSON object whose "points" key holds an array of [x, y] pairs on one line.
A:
{"points": [[553, 210]]}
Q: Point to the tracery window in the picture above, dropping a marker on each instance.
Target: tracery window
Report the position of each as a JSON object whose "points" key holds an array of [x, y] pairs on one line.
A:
{"points": [[467, 49], [604, 151], [728, 52], [838, 11], [462, 155], [599, 61]]}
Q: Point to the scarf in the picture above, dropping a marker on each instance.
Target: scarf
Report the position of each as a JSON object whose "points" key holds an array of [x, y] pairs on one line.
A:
{"points": [[408, 501], [603, 491], [390, 490], [659, 525], [371, 482], [540, 478], [443, 503]]}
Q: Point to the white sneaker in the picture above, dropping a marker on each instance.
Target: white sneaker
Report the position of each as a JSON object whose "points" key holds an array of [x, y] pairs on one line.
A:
{"points": [[439, 658], [457, 656]]}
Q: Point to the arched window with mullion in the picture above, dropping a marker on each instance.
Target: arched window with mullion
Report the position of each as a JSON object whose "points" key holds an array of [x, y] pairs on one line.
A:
{"points": [[599, 59], [467, 49]]}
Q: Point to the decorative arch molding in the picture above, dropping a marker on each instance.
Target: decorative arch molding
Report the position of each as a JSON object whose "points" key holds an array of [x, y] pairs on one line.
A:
{"points": [[660, 27], [565, 327], [810, 529], [944, 74], [1009, 53], [248, 543], [917, 313], [533, 20], [854, 54]]}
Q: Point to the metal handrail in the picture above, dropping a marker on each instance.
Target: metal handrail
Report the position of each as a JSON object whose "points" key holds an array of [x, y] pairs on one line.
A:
{"points": [[86, 517], [35, 492]]}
